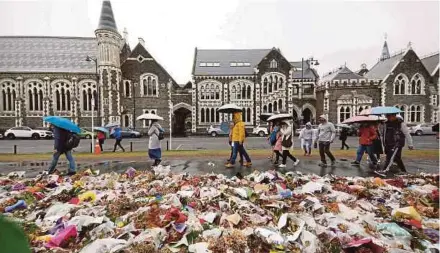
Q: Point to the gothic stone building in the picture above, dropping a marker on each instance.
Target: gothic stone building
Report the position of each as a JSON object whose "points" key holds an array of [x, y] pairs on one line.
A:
{"points": [[258, 80], [42, 76], [402, 80]]}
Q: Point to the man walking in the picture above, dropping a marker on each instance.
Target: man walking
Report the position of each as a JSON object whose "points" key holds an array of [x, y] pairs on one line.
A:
{"points": [[118, 137], [61, 137], [238, 136], [326, 135], [394, 134]]}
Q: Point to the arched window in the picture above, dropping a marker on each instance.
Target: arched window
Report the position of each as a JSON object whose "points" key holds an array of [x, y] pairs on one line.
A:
{"points": [[275, 106], [243, 115], [270, 108], [403, 109], [62, 96], [150, 85], [202, 92], [243, 91], [275, 84], [415, 114], [281, 83], [417, 84], [248, 115], [212, 115], [344, 113], [238, 91], [280, 104], [126, 121], [207, 115], [270, 85], [360, 109], [400, 84], [8, 96], [273, 64], [248, 92], [127, 88], [217, 92], [265, 108], [233, 96], [265, 86], [88, 92], [217, 116], [202, 115]]}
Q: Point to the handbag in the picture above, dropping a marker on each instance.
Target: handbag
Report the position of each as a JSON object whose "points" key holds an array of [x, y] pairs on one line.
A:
{"points": [[287, 142]]}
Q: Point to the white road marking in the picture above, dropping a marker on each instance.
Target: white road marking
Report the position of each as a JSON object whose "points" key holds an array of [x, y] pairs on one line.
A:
{"points": [[179, 147]]}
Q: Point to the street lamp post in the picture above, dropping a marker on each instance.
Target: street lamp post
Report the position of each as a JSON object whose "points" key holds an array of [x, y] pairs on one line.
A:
{"points": [[133, 91], [170, 105], [98, 90], [93, 125]]}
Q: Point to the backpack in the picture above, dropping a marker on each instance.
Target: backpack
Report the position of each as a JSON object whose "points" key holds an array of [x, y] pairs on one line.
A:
{"points": [[161, 136], [273, 138], [287, 141], [72, 141]]}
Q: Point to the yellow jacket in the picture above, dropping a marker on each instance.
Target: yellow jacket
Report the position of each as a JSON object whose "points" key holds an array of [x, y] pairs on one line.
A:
{"points": [[238, 131]]}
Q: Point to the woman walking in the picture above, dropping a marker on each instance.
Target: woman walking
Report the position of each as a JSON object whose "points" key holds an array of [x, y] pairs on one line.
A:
{"points": [[118, 136], [278, 147], [231, 126], [155, 134], [367, 134], [343, 138], [101, 138], [286, 143], [306, 137]]}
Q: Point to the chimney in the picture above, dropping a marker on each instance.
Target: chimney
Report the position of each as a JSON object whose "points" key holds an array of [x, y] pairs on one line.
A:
{"points": [[141, 41]]}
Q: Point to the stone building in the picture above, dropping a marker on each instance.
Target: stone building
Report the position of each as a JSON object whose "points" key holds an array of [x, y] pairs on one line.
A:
{"points": [[42, 76], [402, 80], [258, 80]]}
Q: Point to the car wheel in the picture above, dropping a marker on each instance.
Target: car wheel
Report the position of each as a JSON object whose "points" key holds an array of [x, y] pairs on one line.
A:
{"points": [[11, 136], [213, 134], [261, 134], [88, 136], [132, 136], [35, 136], [419, 133]]}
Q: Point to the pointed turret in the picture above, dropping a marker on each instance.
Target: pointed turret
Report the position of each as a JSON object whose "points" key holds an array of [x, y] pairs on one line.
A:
{"points": [[385, 52], [107, 19]]}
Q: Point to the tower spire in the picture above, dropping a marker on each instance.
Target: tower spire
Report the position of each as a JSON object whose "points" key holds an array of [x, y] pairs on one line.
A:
{"points": [[385, 52], [107, 19]]}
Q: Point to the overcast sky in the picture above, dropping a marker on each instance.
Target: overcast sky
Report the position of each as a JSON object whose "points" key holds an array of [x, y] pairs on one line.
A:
{"points": [[333, 32]]}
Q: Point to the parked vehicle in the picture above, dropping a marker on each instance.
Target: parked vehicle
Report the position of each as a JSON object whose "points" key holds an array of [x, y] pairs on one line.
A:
{"points": [[260, 131], [27, 132], [128, 133], [221, 130], [422, 129], [1, 136], [85, 133]]}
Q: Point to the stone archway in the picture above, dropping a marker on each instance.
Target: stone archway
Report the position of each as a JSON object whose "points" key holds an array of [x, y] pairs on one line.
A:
{"points": [[181, 119], [306, 115]]}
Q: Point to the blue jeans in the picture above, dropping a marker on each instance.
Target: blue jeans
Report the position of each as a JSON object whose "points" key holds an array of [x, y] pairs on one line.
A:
{"points": [[57, 155], [361, 150], [239, 148]]}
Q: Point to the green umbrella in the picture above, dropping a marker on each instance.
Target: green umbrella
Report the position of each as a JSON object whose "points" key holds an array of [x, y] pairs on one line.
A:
{"points": [[12, 237]]}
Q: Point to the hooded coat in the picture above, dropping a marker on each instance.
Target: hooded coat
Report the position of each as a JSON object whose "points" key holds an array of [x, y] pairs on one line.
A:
{"points": [[238, 132]]}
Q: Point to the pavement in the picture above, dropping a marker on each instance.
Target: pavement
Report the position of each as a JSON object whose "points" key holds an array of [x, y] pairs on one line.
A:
{"points": [[206, 165], [188, 143]]}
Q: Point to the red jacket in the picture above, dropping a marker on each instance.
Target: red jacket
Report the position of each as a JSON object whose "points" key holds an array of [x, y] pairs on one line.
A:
{"points": [[367, 135]]}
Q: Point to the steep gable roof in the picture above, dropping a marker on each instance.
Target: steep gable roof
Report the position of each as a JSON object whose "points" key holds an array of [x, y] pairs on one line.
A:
{"points": [[431, 63], [47, 54], [341, 74], [248, 58], [107, 19], [383, 67]]}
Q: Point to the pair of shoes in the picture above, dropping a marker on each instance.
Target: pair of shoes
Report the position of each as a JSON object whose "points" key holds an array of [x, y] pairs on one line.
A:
{"points": [[71, 173], [342, 148], [322, 164], [355, 163], [282, 166], [241, 162], [247, 164], [229, 165], [296, 162]]}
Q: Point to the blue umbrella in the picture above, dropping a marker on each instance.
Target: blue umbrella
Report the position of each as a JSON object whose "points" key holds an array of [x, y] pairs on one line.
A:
{"points": [[112, 124], [102, 129], [63, 123], [379, 110]]}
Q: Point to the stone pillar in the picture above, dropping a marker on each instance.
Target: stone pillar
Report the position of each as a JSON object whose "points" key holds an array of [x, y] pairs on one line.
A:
{"points": [[195, 100], [20, 109], [257, 103]]}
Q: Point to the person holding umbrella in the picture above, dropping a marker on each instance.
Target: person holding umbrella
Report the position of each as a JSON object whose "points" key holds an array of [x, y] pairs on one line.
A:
{"points": [[238, 137], [343, 137], [367, 134], [155, 134], [101, 135], [65, 140], [286, 143], [395, 132]]}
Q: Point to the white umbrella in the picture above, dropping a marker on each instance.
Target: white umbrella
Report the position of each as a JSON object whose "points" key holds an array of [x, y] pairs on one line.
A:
{"points": [[281, 116], [343, 125], [149, 116], [229, 108]]}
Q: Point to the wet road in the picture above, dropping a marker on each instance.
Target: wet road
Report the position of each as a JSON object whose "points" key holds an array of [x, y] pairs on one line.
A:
{"points": [[190, 143]]}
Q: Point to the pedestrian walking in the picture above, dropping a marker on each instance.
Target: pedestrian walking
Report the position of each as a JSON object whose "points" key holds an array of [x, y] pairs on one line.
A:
{"points": [[377, 143], [278, 147], [63, 144], [326, 135], [343, 137], [367, 134], [155, 133], [238, 137], [273, 138], [231, 126], [286, 143], [101, 138], [306, 137], [395, 132], [118, 137]]}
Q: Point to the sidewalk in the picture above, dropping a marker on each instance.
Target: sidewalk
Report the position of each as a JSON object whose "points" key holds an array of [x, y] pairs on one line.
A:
{"points": [[203, 164]]}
